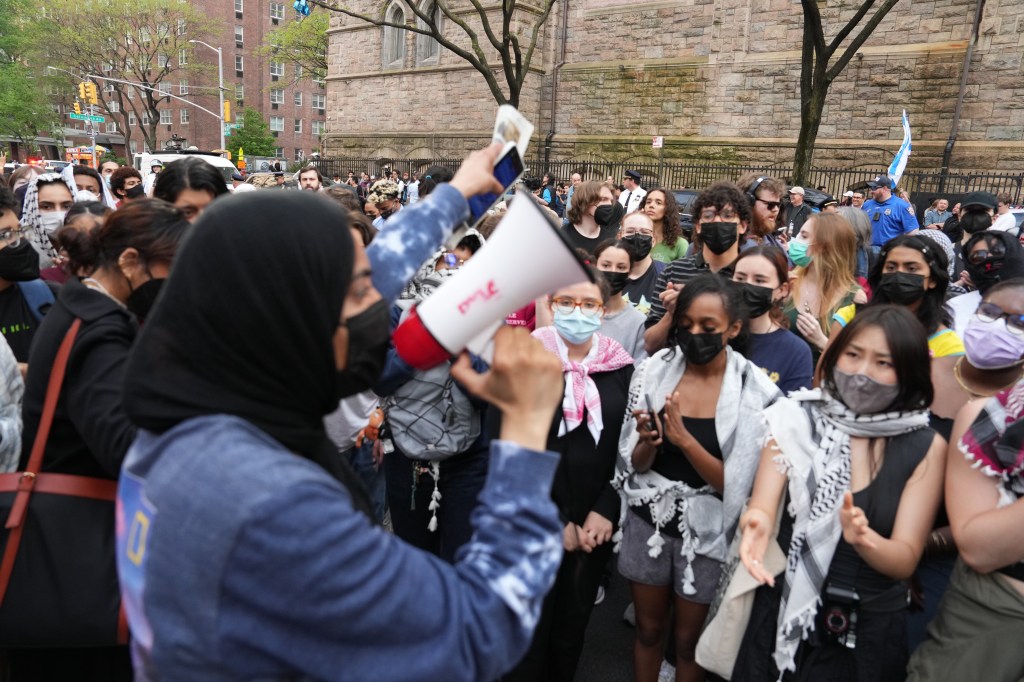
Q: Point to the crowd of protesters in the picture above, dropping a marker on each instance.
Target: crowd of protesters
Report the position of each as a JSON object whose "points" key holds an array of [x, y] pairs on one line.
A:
{"points": [[825, 402]]}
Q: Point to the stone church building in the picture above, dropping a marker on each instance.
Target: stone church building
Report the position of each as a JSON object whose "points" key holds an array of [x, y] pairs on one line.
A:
{"points": [[717, 79]]}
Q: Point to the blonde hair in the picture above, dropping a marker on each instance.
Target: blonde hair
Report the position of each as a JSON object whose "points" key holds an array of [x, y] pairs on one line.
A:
{"points": [[835, 260]]}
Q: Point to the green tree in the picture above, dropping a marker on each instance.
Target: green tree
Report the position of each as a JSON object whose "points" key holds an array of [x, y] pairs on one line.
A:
{"points": [[302, 42], [821, 64], [505, 49], [25, 106], [253, 137], [143, 42]]}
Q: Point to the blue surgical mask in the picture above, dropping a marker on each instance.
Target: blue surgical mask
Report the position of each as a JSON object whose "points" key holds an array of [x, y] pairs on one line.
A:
{"points": [[576, 327], [798, 253]]}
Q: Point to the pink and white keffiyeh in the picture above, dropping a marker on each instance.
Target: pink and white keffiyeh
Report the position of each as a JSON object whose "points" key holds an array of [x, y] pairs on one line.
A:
{"points": [[606, 355]]}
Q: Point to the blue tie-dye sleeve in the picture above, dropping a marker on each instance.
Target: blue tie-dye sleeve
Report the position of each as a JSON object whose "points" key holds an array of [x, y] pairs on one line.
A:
{"points": [[312, 587], [411, 236]]}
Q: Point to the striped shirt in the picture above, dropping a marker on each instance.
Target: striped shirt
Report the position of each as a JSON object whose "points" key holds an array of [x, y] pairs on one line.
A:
{"points": [[679, 272]]}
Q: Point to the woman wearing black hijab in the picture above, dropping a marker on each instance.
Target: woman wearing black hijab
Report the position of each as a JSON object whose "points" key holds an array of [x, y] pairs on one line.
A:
{"points": [[239, 556]]}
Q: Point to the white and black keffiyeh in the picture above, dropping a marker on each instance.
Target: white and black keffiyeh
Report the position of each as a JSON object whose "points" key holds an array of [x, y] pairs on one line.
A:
{"points": [[30, 217], [812, 432], [707, 524]]}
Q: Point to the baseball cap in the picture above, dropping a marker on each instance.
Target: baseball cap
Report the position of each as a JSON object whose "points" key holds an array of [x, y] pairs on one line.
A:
{"points": [[155, 163], [981, 199], [796, 190], [880, 181], [848, 193]]}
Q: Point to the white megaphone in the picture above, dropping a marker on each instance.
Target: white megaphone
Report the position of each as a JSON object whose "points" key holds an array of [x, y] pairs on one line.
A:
{"points": [[467, 310]]}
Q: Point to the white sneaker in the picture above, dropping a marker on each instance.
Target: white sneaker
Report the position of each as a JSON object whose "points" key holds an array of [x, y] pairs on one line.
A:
{"points": [[667, 672]]}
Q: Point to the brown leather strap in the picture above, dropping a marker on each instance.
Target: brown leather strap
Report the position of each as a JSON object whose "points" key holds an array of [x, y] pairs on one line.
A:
{"points": [[64, 484], [29, 477]]}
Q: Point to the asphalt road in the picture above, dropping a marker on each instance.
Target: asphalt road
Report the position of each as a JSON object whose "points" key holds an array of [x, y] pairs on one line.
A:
{"points": [[608, 649]]}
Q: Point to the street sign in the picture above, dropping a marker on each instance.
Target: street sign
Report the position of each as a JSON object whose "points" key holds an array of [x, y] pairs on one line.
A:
{"points": [[658, 142], [87, 117]]}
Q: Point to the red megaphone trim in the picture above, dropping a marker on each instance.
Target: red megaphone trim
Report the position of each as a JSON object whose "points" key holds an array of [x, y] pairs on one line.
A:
{"points": [[416, 345]]}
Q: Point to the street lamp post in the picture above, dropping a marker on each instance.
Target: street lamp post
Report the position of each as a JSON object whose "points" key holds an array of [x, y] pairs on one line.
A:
{"points": [[220, 86]]}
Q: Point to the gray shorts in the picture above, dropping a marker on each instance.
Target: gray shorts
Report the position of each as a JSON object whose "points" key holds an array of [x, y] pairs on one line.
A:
{"points": [[636, 565]]}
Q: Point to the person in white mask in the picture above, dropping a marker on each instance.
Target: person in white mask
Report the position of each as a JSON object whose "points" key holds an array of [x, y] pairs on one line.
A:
{"points": [[48, 198]]}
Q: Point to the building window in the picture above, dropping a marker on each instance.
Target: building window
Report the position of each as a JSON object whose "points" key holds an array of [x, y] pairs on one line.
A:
{"points": [[394, 38], [181, 27], [299, 154], [298, 99], [319, 81], [134, 146], [238, 7], [145, 119], [56, 109], [239, 64], [277, 124], [298, 71], [239, 93], [114, 107], [161, 60], [163, 89], [108, 87], [184, 116], [129, 93], [276, 70], [276, 96], [279, 152], [111, 127], [165, 117], [182, 57], [239, 31], [277, 11], [428, 50], [182, 87], [298, 125], [132, 121], [319, 127], [319, 102]]}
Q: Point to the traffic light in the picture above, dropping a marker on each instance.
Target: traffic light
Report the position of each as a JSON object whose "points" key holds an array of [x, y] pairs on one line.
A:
{"points": [[92, 96], [227, 111], [78, 107], [82, 92]]}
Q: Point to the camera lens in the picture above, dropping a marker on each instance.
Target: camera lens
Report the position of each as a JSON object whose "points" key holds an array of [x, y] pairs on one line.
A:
{"points": [[836, 621]]}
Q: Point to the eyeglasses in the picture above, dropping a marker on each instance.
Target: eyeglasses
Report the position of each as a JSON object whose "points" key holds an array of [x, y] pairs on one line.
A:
{"points": [[771, 205], [643, 232], [10, 237], [990, 312], [727, 214], [588, 306], [979, 257]]}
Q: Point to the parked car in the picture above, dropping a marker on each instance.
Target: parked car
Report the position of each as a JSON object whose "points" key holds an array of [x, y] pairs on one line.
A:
{"points": [[264, 180], [685, 198], [143, 162], [1018, 215]]}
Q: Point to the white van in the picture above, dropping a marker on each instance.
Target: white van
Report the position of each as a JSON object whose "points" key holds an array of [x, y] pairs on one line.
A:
{"points": [[142, 162]]}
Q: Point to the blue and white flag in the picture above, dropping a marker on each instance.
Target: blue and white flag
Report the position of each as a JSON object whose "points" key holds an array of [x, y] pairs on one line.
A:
{"points": [[899, 162]]}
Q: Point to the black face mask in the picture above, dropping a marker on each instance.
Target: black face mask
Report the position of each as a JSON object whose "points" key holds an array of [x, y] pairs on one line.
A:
{"points": [[987, 273], [699, 349], [19, 263], [902, 288], [141, 300], [136, 192], [609, 216], [368, 339], [719, 237], [638, 245], [757, 299], [616, 280]]}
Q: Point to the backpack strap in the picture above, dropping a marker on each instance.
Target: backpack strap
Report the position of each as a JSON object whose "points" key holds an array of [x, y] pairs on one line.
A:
{"points": [[37, 295]]}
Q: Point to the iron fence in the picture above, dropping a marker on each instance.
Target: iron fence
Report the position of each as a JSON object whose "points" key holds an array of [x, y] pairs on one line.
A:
{"points": [[922, 184]]}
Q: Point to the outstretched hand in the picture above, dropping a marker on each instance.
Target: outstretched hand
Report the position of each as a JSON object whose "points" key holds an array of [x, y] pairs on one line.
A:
{"points": [[757, 531]]}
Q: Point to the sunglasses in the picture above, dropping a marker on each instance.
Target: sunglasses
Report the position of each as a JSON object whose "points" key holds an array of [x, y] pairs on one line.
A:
{"points": [[990, 312], [979, 257], [771, 205]]}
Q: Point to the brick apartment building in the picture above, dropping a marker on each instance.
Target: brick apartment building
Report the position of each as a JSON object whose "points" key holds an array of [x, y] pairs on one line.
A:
{"points": [[291, 102]]}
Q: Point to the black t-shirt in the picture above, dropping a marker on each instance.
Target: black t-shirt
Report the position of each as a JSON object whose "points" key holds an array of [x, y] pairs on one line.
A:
{"points": [[588, 244], [16, 322], [640, 291]]}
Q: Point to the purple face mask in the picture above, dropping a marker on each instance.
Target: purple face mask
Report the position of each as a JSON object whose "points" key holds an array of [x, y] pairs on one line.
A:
{"points": [[991, 345]]}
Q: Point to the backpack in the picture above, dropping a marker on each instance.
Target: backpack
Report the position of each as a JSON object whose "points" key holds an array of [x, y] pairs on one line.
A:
{"points": [[430, 418], [38, 296]]}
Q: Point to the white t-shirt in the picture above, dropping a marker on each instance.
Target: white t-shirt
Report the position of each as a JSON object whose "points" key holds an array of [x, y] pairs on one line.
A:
{"points": [[1004, 223]]}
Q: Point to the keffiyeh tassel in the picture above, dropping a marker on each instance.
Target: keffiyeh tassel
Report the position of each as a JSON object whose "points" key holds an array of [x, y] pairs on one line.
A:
{"points": [[435, 497]]}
